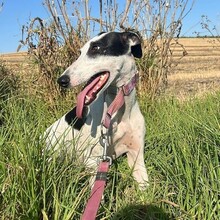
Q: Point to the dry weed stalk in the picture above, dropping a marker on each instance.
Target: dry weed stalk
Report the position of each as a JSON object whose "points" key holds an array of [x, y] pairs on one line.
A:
{"points": [[56, 44], [211, 29]]}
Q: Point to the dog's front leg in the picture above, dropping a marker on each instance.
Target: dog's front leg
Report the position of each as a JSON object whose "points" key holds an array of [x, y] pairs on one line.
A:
{"points": [[135, 147], [136, 163]]}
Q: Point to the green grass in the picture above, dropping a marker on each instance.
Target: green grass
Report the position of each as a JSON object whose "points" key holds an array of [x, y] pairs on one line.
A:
{"points": [[182, 156]]}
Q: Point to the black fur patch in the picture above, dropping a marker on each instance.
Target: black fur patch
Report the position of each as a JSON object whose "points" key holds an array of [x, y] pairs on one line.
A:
{"points": [[72, 120], [111, 44], [115, 44]]}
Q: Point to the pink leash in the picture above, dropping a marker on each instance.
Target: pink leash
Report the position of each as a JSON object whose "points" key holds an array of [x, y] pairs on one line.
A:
{"points": [[101, 176], [97, 191]]}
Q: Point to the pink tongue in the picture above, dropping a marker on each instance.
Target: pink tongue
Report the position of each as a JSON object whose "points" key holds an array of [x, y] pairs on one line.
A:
{"points": [[82, 95]]}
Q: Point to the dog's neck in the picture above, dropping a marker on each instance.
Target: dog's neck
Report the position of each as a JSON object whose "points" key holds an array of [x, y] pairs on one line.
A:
{"points": [[120, 98], [99, 108]]}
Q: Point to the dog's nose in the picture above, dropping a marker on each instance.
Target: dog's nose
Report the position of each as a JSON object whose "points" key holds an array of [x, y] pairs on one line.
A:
{"points": [[64, 81]]}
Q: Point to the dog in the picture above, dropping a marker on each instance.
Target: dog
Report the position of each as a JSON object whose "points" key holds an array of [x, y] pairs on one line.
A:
{"points": [[106, 64]]}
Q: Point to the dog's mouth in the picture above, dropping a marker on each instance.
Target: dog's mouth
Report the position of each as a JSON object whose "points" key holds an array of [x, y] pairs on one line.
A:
{"points": [[90, 91]]}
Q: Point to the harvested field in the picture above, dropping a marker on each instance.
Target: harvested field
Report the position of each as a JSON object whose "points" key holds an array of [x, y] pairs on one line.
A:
{"points": [[202, 54], [194, 74], [18, 62], [199, 70], [14, 59]]}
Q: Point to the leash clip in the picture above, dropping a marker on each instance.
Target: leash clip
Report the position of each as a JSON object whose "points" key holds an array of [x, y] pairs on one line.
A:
{"points": [[105, 143]]}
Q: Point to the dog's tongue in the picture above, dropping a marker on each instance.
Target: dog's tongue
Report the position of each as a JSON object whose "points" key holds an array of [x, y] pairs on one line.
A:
{"points": [[82, 96]]}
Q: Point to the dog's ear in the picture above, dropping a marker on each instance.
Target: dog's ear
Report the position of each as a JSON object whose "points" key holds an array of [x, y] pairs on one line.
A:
{"points": [[135, 42]]}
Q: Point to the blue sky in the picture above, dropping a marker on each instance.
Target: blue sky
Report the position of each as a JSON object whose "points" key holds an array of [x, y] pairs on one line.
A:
{"points": [[15, 13]]}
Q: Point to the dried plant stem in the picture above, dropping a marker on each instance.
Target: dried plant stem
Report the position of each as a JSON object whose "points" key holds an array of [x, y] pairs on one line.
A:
{"points": [[159, 22]]}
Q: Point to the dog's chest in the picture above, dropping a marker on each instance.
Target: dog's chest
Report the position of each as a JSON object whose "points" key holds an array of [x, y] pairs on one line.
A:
{"points": [[121, 133]]}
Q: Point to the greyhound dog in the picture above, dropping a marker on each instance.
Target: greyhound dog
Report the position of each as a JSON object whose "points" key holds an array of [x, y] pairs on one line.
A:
{"points": [[105, 65]]}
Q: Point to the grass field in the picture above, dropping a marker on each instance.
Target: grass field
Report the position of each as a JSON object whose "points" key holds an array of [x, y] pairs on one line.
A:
{"points": [[182, 154]]}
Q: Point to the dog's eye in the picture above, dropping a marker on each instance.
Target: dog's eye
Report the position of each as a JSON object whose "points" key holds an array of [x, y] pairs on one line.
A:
{"points": [[96, 48]]}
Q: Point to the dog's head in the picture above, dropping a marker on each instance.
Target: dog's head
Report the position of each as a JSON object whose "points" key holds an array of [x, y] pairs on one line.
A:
{"points": [[107, 59]]}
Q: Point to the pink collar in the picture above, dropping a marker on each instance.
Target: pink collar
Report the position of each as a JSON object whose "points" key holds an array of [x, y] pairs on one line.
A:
{"points": [[119, 100]]}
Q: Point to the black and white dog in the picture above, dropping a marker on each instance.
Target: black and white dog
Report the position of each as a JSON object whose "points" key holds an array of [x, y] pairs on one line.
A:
{"points": [[106, 64]]}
